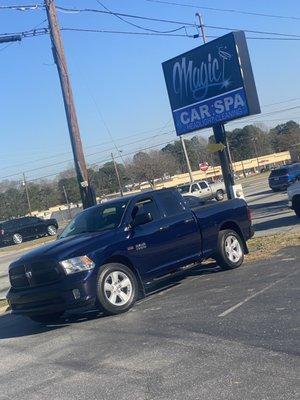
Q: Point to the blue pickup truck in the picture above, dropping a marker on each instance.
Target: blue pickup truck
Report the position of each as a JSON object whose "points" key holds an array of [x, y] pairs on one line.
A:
{"points": [[108, 253]]}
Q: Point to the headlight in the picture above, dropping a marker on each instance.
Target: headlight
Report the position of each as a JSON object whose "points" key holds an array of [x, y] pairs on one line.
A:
{"points": [[77, 264]]}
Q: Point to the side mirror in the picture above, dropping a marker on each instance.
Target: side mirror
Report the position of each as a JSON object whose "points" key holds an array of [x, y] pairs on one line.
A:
{"points": [[141, 219]]}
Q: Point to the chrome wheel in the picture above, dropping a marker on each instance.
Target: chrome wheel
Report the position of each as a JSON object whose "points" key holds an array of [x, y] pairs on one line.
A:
{"points": [[220, 195], [117, 288], [233, 249], [51, 230], [17, 238]]}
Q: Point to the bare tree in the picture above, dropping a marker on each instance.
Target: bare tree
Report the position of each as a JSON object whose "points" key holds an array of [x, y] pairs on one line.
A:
{"points": [[151, 166]]}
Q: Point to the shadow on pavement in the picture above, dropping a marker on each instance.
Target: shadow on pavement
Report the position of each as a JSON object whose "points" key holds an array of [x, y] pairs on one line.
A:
{"points": [[290, 220], [260, 193], [281, 204], [12, 326]]}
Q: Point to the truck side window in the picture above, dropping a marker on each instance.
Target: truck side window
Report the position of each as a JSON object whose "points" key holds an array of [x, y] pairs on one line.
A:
{"points": [[171, 203], [147, 206], [203, 185], [195, 188]]}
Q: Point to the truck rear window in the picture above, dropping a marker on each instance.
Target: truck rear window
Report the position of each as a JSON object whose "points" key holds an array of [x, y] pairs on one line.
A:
{"points": [[171, 203]]}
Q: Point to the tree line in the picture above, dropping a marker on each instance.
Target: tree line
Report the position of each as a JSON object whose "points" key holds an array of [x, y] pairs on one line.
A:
{"points": [[247, 142]]}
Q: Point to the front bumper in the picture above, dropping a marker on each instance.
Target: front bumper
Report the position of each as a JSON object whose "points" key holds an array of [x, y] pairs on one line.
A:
{"points": [[53, 298], [290, 204]]}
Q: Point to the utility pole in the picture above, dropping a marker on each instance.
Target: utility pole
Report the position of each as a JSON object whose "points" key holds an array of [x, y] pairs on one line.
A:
{"points": [[199, 16], [27, 193], [187, 159], [256, 152], [220, 137], [117, 174], [86, 191], [67, 201]]}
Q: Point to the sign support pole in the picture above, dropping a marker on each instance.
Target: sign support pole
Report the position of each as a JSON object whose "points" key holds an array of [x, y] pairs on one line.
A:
{"points": [[220, 137], [187, 159]]}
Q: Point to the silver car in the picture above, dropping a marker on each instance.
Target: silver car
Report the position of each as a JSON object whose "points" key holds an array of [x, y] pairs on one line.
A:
{"points": [[204, 190]]}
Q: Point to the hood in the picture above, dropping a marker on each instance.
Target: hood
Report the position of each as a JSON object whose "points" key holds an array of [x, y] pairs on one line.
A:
{"points": [[72, 246]]}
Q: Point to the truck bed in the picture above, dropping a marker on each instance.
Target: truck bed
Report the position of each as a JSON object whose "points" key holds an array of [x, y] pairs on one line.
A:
{"points": [[213, 216]]}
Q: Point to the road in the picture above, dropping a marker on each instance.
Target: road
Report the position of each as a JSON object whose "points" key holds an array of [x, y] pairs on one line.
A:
{"points": [[269, 209], [270, 215], [207, 335]]}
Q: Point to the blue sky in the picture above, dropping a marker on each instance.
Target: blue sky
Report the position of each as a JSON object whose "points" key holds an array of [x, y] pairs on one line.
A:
{"points": [[117, 79]]}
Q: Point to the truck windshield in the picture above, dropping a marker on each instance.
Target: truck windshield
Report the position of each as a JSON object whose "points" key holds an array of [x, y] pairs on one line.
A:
{"points": [[184, 189], [96, 219]]}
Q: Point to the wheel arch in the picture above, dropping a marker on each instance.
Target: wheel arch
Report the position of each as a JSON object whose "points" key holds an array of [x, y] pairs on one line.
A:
{"points": [[235, 227], [125, 261]]}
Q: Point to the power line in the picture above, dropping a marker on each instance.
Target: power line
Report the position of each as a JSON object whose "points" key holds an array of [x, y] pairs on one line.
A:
{"points": [[135, 25], [281, 102], [8, 45], [145, 18], [88, 155], [256, 14], [109, 159], [96, 145], [126, 32], [45, 31], [152, 31], [252, 31], [90, 30], [185, 24], [25, 7], [148, 138]]}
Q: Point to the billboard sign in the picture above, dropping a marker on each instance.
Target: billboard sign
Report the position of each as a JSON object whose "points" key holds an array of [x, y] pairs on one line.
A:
{"points": [[211, 84]]}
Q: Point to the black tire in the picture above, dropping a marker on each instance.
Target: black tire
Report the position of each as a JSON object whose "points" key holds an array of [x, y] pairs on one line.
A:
{"points": [[296, 206], [51, 230], [224, 257], [220, 195], [17, 238], [105, 297], [47, 318]]}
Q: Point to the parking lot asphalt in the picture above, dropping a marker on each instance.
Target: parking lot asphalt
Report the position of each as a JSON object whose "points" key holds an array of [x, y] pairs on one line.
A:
{"points": [[206, 334]]}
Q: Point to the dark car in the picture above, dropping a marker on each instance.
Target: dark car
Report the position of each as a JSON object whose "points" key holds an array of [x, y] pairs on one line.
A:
{"points": [[110, 253], [20, 229], [281, 178]]}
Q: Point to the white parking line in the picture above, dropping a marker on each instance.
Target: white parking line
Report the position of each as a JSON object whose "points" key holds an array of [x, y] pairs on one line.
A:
{"points": [[254, 295]]}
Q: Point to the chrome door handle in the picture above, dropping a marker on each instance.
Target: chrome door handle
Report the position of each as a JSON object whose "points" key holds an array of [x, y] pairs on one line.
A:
{"points": [[187, 221]]}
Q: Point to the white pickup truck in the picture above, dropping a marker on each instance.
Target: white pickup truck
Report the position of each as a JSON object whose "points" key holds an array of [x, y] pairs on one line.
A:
{"points": [[204, 190], [293, 192]]}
